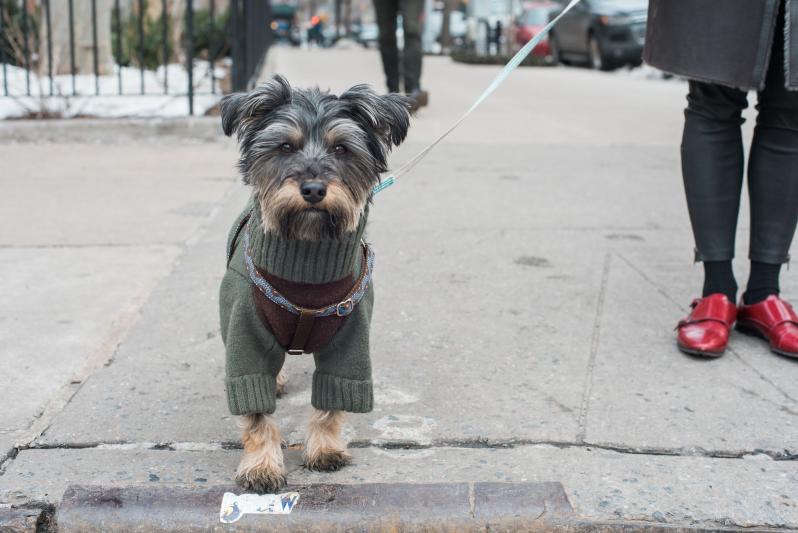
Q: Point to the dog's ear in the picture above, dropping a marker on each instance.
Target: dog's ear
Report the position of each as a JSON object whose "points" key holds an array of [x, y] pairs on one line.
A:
{"points": [[388, 115], [239, 108]]}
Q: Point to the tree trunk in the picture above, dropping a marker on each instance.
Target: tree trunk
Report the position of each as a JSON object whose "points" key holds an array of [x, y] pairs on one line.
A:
{"points": [[337, 7], [347, 17], [446, 37], [177, 14], [84, 40]]}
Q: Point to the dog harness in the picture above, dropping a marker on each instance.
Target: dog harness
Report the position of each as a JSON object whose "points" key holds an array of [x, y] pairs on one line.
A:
{"points": [[307, 316]]}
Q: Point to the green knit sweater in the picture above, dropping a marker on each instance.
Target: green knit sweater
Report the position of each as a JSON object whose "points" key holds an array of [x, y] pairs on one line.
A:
{"points": [[342, 380]]}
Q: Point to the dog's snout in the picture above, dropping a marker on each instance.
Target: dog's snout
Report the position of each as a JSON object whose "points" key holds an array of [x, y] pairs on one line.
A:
{"points": [[313, 191]]}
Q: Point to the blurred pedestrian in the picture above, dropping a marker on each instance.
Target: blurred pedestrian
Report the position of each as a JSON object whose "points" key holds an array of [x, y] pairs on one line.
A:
{"points": [[725, 48], [412, 12], [316, 31]]}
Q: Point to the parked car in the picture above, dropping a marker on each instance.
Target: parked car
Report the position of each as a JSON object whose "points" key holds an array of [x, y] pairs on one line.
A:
{"points": [[433, 25], [533, 18], [605, 34], [368, 35], [284, 25]]}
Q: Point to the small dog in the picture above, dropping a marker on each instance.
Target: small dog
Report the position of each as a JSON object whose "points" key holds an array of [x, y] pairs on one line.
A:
{"points": [[298, 274]]}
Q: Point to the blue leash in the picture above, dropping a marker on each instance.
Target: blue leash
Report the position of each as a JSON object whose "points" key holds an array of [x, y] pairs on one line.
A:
{"points": [[503, 75]]}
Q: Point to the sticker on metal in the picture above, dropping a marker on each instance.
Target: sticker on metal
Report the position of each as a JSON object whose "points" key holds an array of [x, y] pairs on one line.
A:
{"points": [[234, 506]]}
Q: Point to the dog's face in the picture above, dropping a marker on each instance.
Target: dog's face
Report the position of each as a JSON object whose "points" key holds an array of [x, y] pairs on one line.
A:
{"points": [[313, 157]]}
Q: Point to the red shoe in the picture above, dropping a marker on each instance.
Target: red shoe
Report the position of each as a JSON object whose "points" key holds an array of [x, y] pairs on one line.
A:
{"points": [[706, 331], [772, 319]]}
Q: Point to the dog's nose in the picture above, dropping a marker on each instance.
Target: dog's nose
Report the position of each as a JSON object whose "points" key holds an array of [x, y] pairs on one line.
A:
{"points": [[313, 191]]}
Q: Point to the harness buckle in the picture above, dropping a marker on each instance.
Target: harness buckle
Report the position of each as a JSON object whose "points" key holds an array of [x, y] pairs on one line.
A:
{"points": [[345, 308]]}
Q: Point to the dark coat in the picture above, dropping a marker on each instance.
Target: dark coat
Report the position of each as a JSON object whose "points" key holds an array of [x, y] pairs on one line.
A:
{"points": [[721, 41]]}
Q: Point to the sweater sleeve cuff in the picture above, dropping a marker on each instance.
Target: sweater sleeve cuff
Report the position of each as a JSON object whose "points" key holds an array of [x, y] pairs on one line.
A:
{"points": [[334, 393], [252, 393]]}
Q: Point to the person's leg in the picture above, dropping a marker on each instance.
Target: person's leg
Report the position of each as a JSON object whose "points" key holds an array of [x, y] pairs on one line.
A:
{"points": [[762, 282], [719, 279], [773, 178], [712, 168], [412, 17], [387, 11]]}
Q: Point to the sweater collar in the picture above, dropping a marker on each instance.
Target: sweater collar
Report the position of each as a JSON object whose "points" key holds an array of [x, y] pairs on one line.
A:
{"points": [[301, 261]]}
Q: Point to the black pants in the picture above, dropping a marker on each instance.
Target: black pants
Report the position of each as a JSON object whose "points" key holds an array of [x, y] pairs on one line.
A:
{"points": [[712, 165], [412, 12]]}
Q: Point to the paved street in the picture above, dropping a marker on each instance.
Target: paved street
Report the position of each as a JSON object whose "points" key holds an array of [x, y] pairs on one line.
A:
{"points": [[529, 275]]}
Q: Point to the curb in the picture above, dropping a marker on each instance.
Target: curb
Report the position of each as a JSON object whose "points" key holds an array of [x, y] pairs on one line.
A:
{"points": [[110, 131], [394, 507], [324, 507], [20, 520]]}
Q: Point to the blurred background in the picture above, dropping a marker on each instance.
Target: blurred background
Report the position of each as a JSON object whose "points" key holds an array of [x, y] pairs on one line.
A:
{"points": [[533, 265], [72, 58]]}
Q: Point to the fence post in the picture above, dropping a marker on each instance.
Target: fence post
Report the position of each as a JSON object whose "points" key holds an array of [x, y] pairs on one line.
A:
{"points": [[49, 43], [72, 67], [141, 45], [190, 53], [211, 55], [25, 46], [94, 49], [245, 45], [118, 18], [236, 50], [3, 51], [165, 37], [249, 27]]}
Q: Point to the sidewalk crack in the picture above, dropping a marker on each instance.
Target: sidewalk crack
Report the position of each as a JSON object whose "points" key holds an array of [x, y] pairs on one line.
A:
{"points": [[665, 294], [7, 458], [472, 500], [594, 345], [465, 444], [736, 354], [763, 377]]}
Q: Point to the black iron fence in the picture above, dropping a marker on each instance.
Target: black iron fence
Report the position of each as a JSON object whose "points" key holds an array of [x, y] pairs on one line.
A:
{"points": [[231, 36]]}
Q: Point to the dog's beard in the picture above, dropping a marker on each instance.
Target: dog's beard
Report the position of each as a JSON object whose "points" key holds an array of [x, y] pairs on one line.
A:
{"points": [[286, 213], [310, 225]]}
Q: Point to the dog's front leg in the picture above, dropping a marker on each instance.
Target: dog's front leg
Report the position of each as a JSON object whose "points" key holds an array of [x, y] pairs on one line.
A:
{"points": [[325, 450], [261, 469]]}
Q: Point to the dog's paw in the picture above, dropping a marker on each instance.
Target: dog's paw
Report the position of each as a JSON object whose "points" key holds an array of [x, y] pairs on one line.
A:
{"points": [[328, 461], [262, 481]]}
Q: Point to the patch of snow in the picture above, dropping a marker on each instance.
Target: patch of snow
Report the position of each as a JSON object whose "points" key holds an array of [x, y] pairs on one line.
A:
{"points": [[157, 101], [646, 72]]}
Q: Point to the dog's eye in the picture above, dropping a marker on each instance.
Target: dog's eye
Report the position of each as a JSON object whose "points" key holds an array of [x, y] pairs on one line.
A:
{"points": [[339, 149], [286, 148]]}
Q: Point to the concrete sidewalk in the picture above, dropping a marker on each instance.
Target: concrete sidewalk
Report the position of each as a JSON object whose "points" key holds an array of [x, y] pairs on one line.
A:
{"points": [[522, 332]]}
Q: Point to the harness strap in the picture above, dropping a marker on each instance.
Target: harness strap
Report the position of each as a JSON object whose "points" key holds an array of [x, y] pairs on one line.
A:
{"points": [[342, 308], [306, 317], [234, 240], [302, 333]]}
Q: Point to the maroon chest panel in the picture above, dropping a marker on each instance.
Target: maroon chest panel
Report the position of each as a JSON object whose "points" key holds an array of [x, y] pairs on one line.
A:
{"points": [[283, 323]]}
